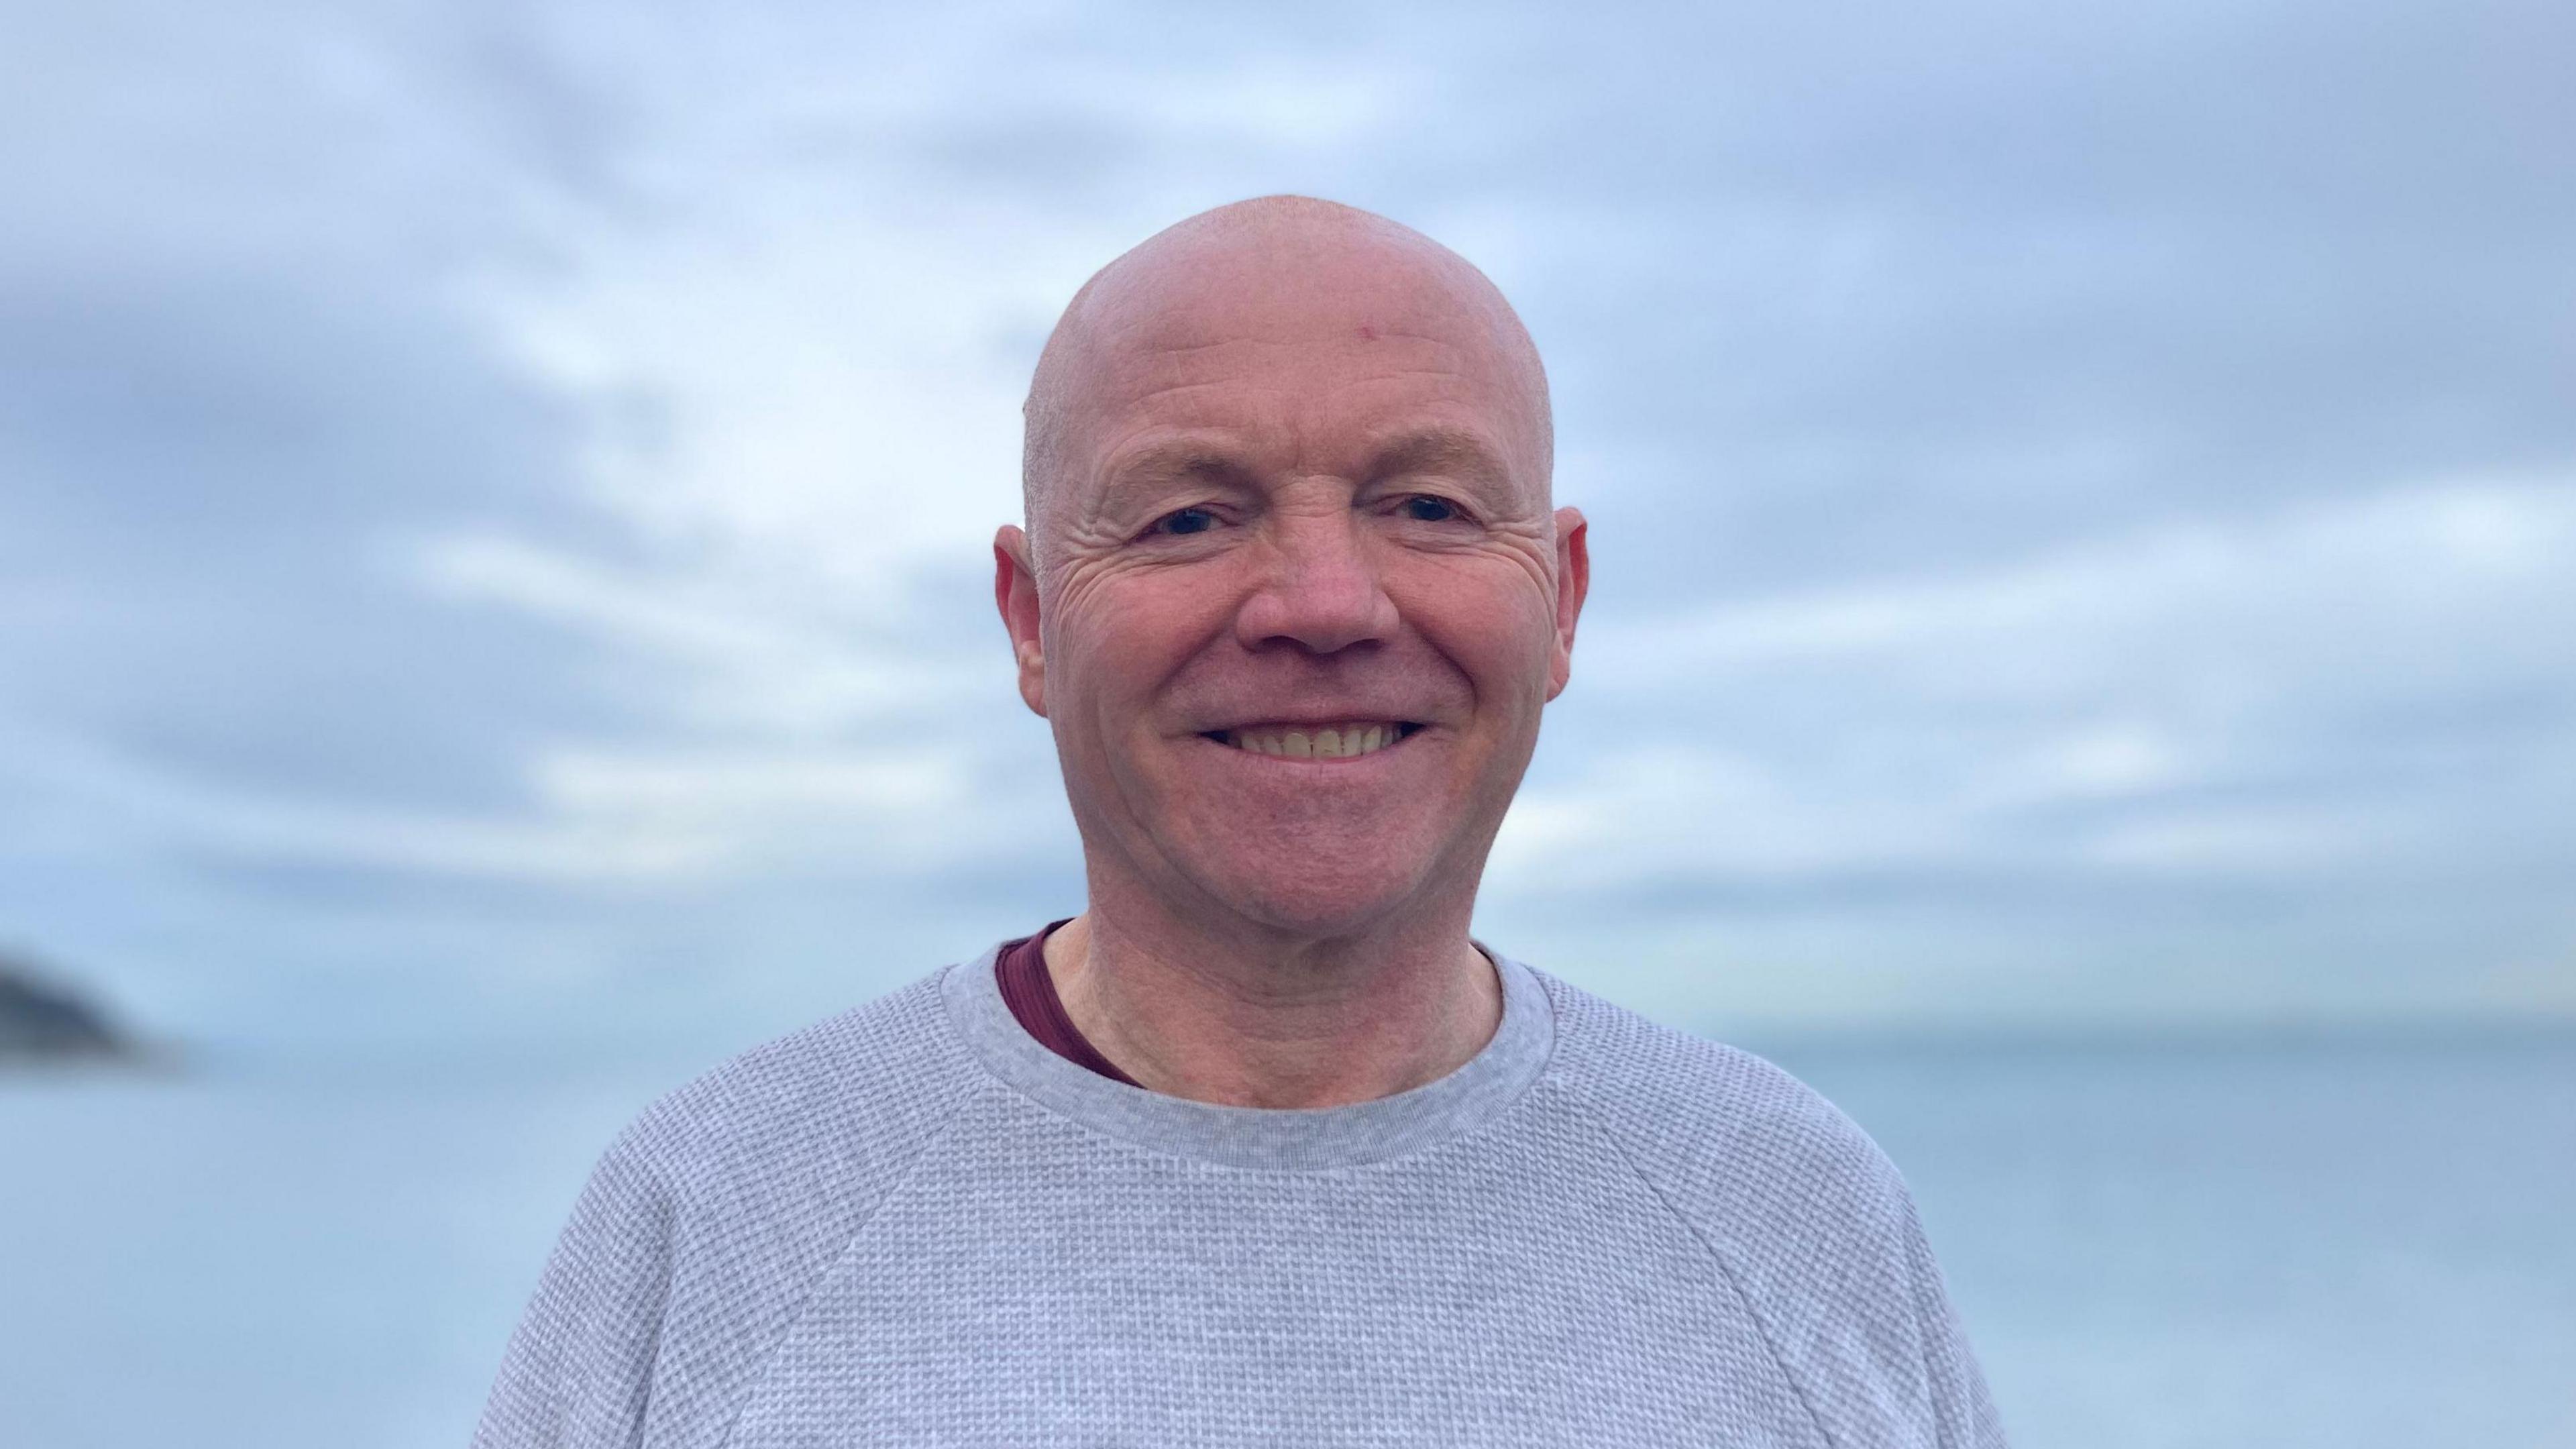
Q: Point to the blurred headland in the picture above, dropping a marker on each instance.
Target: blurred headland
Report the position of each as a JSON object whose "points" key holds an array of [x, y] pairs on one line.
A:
{"points": [[46, 1022]]}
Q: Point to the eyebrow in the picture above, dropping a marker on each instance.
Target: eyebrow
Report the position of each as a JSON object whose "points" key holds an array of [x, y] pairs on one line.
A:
{"points": [[1136, 479], [1433, 449]]}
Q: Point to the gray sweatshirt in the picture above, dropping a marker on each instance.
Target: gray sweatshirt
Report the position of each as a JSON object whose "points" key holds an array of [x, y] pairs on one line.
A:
{"points": [[914, 1224]]}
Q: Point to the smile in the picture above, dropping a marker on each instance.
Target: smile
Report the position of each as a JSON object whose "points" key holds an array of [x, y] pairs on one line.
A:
{"points": [[1340, 741]]}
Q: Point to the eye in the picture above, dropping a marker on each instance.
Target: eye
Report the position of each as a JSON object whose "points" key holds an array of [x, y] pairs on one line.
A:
{"points": [[1185, 520], [1422, 508]]}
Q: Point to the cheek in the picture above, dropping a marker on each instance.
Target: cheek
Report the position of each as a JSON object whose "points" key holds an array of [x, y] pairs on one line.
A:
{"points": [[1491, 623], [1118, 639]]}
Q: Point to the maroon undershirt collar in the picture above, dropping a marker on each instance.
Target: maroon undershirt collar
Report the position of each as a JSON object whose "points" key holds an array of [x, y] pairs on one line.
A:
{"points": [[1029, 991]]}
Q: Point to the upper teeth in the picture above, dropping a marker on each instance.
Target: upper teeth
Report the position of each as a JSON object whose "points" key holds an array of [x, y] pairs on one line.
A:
{"points": [[1332, 742]]}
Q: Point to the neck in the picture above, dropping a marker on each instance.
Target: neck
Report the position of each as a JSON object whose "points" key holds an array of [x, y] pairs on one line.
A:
{"points": [[1260, 1020]]}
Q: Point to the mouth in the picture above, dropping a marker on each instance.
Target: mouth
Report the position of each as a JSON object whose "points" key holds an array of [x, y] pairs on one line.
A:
{"points": [[1341, 740]]}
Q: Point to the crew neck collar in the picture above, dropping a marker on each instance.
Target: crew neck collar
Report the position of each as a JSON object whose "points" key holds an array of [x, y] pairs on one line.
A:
{"points": [[1270, 1138]]}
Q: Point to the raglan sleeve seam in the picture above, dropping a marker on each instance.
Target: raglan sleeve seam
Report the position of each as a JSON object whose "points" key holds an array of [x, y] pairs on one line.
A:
{"points": [[786, 1331], [1726, 1270]]}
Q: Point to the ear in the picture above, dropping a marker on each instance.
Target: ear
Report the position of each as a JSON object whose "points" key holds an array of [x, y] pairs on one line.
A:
{"points": [[1573, 581], [1015, 592]]}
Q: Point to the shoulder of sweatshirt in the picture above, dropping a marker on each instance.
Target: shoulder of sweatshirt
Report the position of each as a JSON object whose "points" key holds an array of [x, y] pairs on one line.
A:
{"points": [[1755, 1158], [822, 1112]]}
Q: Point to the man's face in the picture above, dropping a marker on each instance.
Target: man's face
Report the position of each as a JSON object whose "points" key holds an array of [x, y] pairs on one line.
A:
{"points": [[1300, 594]]}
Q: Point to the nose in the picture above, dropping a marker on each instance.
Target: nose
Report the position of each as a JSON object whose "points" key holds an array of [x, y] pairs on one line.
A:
{"points": [[1320, 588]]}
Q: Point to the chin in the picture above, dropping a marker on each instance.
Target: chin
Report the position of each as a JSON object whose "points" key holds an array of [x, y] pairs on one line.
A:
{"points": [[1319, 904]]}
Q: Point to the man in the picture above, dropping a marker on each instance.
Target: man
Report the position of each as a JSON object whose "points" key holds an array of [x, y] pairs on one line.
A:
{"points": [[1260, 1148]]}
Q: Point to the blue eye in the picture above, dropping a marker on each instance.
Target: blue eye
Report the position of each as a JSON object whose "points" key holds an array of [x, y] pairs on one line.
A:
{"points": [[1185, 520], [1428, 510]]}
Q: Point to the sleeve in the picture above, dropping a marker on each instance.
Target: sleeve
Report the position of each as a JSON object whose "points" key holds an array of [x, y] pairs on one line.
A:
{"points": [[1963, 1411], [579, 1368]]}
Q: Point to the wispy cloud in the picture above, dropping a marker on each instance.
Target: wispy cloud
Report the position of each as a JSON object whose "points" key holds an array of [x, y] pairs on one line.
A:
{"points": [[2234, 693], [2083, 507]]}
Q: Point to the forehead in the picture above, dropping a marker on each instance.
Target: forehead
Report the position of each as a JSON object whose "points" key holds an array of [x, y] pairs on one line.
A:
{"points": [[1318, 359]]}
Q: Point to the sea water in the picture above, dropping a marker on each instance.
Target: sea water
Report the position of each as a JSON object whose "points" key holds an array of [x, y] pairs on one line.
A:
{"points": [[2328, 1243], [2218, 1245]]}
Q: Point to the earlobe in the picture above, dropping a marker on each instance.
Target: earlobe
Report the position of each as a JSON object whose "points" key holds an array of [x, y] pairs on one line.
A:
{"points": [[1015, 594], [1033, 679]]}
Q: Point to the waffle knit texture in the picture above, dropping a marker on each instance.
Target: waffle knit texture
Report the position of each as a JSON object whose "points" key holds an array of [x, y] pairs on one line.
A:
{"points": [[913, 1224]]}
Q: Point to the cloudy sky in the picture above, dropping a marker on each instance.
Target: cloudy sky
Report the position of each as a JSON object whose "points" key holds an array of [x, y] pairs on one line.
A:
{"points": [[494, 498]]}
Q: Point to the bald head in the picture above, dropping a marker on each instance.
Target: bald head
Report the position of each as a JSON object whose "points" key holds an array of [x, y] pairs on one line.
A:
{"points": [[1276, 273]]}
